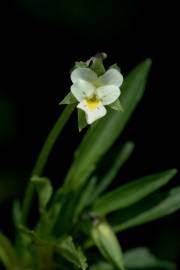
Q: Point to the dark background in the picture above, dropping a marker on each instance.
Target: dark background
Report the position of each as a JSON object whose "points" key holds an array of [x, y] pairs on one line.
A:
{"points": [[39, 42]]}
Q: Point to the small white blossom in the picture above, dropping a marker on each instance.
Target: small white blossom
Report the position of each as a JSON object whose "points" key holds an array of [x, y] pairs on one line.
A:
{"points": [[93, 92]]}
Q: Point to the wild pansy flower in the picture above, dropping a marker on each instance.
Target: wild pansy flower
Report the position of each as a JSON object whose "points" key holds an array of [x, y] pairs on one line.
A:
{"points": [[94, 92]]}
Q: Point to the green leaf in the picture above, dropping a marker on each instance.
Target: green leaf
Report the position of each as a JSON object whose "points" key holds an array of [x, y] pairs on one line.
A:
{"points": [[149, 209], [102, 266], [82, 123], [16, 208], [121, 157], [39, 250], [98, 140], [69, 99], [85, 197], [67, 249], [116, 105], [132, 192], [56, 203], [44, 189], [64, 247], [142, 258], [7, 254], [108, 244], [48, 218]]}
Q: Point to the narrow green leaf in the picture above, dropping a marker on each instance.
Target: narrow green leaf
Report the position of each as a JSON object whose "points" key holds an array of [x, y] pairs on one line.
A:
{"points": [[121, 157], [7, 254], [56, 204], [85, 197], [102, 266], [108, 244], [149, 209], [82, 123], [142, 258], [44, 189], [38, 250], [69, 99], [17, 212], [132, 192], [48, 218]]}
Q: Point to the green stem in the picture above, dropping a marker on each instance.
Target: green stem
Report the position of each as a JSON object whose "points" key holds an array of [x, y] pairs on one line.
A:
{"points": [[43, 157]]}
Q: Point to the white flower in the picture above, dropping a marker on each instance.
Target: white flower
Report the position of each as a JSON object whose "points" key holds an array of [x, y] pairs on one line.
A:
{"points": [[93, 92]]}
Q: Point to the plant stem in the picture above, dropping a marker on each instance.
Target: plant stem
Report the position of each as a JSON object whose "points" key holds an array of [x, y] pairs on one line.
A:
{"points": [[43, 157]]}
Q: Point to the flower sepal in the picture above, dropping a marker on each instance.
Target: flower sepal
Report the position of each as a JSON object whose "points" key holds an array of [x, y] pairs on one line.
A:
{"points": [[81, 64], [115, 66], [97, 65], [116, 105], [69, 99], [82, 123]]}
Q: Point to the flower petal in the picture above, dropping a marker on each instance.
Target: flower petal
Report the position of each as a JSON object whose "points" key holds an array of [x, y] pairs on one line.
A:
{"points": [[85, 74], [112, 77], [92, 115], [82, 89], [108, 94]]}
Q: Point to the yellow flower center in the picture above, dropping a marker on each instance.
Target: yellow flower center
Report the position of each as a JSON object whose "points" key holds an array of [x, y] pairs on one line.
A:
{"points": [[92, 103]]}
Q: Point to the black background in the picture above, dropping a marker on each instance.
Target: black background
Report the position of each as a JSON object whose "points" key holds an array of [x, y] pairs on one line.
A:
{"points": [[39, 43]]}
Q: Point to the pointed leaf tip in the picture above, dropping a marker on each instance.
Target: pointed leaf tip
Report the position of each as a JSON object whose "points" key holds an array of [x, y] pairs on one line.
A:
{"points": [[132, 192], [174, 171], [148, 62], [44, 189]]}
